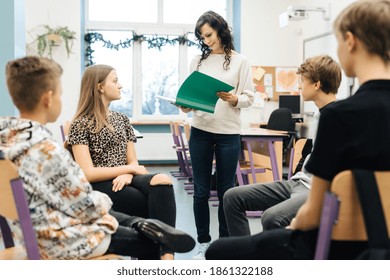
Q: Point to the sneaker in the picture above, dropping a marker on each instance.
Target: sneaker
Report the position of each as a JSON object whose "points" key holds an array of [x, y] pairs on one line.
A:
{"points": [[202, 251]]}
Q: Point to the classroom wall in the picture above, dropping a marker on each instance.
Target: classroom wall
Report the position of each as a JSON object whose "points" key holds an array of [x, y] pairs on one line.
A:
{"points": [[266, 44], [316, 44], [58, 13], [262, 41], [315, 24]]}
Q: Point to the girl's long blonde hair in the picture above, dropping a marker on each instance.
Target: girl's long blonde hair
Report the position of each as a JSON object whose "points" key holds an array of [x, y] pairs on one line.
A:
{"points": [[90, 100]]}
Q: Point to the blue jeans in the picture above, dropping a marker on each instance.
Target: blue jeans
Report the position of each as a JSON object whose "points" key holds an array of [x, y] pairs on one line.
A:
{"points": [[203, 146]]}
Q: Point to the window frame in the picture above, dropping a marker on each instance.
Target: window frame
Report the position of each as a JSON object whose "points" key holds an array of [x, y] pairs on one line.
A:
{"points": [[158, 28]]}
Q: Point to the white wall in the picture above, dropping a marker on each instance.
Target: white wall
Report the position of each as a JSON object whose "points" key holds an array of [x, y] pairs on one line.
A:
{"points": [[326, 44], [266, 44], [315, 24], [262, 41], [58, 13]]}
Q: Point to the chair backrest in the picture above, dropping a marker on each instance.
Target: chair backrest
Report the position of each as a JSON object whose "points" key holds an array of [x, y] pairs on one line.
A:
{"points": [[183, 144], [281, 119], [187, 131], [299, 152], [13, 206], [347, 223], [350, 224]]}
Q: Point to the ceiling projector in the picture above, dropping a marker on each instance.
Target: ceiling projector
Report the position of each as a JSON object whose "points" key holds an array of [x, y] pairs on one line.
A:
{"points": [[298, 15]]}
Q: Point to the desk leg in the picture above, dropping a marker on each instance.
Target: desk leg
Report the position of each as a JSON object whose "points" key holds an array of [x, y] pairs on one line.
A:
{"points": [[291, 163], [248, 145], [274, 163]]}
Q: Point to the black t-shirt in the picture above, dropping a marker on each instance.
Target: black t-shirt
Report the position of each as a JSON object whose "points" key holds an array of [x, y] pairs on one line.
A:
{"points": [[354, 133]]}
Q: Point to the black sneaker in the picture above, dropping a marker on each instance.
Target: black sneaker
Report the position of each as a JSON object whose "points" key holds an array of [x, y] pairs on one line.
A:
{"points": [[172, 238]]}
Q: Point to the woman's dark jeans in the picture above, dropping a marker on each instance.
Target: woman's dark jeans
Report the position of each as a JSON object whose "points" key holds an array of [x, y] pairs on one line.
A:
{"points": [[203, 147]]}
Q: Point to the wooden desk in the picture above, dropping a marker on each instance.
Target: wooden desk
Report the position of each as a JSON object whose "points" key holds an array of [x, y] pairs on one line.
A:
{"points": [[270, 137], [301, 128]]}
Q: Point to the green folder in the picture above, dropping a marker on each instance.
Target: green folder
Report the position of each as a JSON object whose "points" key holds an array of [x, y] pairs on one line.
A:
{"points": [[199, 92]]}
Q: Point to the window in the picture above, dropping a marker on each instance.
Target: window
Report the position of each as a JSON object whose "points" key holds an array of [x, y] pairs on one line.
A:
{"points": [[116, 58], [123, 10], [192, 10], [150, 45], [160, 76]]}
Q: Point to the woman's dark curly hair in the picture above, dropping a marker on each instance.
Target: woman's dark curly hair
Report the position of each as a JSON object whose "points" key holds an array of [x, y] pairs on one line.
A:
{"points": [[219, 24]]}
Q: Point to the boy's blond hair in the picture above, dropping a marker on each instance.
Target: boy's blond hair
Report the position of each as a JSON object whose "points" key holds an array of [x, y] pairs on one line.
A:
{"points": [[369, 21], [29, 77], [322, 68]]}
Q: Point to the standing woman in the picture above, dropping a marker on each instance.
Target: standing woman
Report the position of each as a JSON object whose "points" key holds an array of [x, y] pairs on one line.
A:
{"points": [[219, 133], [102, 143]]}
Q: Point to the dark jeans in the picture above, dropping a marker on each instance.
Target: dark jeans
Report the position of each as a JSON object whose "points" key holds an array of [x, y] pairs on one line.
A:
{"points": [[141, 199], [127, 241], [279, 244], [203, 147]]}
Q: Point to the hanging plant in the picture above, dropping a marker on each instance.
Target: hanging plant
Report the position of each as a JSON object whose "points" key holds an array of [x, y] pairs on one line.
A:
{"points": [[54, 37]]}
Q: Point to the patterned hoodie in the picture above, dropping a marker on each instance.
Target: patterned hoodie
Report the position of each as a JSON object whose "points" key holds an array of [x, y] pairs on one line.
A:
{"points": [[71, 220]]}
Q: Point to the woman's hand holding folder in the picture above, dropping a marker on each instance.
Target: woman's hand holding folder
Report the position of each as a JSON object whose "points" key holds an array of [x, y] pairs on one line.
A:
{"points": [[228, 97]]}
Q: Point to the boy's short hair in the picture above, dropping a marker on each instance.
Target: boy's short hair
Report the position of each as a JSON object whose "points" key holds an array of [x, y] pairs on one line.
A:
{"points": [[29, 77], [369, 21], [322, 68]]}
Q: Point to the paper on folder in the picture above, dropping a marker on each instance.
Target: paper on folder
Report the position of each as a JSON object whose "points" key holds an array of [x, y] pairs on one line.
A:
{"points": [[199, 92], [166, 98]]}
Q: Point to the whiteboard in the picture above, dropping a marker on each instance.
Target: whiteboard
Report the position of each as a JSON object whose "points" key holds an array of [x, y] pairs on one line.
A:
{"points": [[325, 43]]}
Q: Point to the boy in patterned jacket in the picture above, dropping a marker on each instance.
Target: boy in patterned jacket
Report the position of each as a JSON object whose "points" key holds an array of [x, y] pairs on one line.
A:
{"points": [[71, 220]]}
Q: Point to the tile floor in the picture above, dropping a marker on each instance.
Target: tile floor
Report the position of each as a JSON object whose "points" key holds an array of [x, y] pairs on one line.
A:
{"points": [[185, 217]]}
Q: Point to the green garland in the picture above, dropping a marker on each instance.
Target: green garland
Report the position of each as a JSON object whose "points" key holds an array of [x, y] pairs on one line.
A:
{"points": [[153, 42]]}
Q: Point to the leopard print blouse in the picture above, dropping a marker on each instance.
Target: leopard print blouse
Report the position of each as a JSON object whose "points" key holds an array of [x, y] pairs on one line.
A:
{"points": [[107, 148]]}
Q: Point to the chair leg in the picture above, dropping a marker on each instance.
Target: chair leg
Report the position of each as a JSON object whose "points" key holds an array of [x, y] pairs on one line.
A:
{"points": [[6, 233], [239, 175], [290, 165], [330, 212]]}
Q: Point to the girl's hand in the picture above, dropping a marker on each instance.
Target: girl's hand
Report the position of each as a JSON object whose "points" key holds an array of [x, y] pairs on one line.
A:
{"points": [[122, 180], [138, 170], [228, 97]]}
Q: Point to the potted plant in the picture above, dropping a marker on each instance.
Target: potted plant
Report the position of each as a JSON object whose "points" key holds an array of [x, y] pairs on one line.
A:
{"points": [[53, 37]]}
